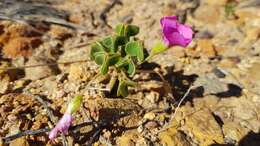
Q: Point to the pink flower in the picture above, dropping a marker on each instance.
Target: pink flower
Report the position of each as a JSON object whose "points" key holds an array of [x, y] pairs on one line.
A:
{"points": [[62, 126], [66, 120], [175, 33]]}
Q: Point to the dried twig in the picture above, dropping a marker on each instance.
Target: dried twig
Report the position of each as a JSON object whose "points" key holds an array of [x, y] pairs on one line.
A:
{"points": [[55, 21], [49, 112], [43, 130], [103, 14], [176, 109], [46, 64], [94, 136], [25, 133]]}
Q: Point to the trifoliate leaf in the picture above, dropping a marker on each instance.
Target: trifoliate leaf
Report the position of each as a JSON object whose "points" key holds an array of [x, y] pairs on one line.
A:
{"points": [[96, 48], [135, 48], [131, 30], [120, 29]]}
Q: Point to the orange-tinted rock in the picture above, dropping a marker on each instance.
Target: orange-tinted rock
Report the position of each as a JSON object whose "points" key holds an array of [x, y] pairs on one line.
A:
{"points": [[59, 32], [17, 39], [206, 47], [21, 46]]}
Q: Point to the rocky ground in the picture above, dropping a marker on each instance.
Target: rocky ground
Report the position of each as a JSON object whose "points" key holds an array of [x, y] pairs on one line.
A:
{"points": [[220, 67]]}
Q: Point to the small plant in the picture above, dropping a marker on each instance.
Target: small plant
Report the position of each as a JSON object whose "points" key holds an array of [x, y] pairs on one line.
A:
{"points": [[122, 52]]}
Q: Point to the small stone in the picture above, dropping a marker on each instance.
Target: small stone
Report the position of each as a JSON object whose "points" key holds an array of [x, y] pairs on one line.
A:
{"points": [[140, 129], [172, 137], [233, 131], [1, 142], [107, 134], [79, 72], [206, 47], [208, 14], [36, 73], [59, 32], [19, 142], [204, 127], [4, 83], [216, 2], [126, 139], [153, 97], [151, 125], [149, 116]]}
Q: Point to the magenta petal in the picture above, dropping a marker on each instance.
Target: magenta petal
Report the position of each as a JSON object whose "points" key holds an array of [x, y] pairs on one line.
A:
{"points": [[62, 126], [185, 31], [176, 38], [175, 33], [169, 22]]}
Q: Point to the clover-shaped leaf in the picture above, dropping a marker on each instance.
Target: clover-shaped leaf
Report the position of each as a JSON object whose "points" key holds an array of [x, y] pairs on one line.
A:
{"points": [[122, 89], [96, 48], [122, 62], [131, 68], [100, 58], [120, 29], [119, 41], [135, 48], [108, 43], [131, 30], [113, 59]]}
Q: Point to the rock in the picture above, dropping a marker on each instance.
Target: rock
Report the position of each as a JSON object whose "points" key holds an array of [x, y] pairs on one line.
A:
{"points": [[149, 116], [153, 97], [21, 46], [19, 142], [208, 14], [210, 84], [1, 142], [245, 16], [151, 125], [172, 137], [240, 110], [60, 33], [233, 132], [4, 84], [252, 79], [204, 128], [79, 72], [252, 35], [205, 46], [110, 109], [18, 40], [126, 140], [35, 73], [215, 2]]}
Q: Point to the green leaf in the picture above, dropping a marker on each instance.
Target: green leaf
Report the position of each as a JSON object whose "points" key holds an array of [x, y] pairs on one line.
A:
{"points": [[135, 48], [122, 62], [95, 48], [120, 29], [131, 30], [100, 58], [131, 68], [108, 43], [113, 59], [120, 41], [105, 66], [122, 89]]}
